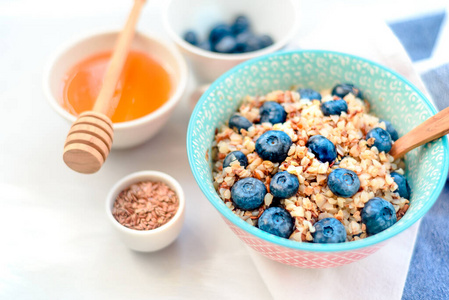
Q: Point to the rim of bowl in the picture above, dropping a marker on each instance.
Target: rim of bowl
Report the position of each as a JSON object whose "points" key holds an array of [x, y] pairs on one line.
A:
{"points": [[228, 56], [152, 176], [170, 103], [312, 247]]}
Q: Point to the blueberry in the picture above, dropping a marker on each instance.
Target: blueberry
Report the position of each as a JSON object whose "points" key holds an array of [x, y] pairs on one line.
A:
{"points": [[241, 40], [265, 41], [238, 122], [252, 44], [382, 139], [241, 24], [390, 129], [378, 214], [272, 112], [273, 145], [284, 185], [343, 183], [322, 148], [309, 94], [191, 37], [329, 230], [226, 45], [205, 45], [248, 193], [341, 90], [277, 221], [403, 187], [334, 107], [233, 156], [219, 32], [237, 50], [247, 42]]}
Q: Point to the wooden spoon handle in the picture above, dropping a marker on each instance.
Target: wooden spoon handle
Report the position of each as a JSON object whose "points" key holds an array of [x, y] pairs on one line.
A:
{"points": [[105, 102], [431, 129]]}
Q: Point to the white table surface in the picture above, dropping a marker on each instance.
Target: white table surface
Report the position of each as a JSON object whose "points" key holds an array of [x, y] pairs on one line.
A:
{"points": [[56, 240]]}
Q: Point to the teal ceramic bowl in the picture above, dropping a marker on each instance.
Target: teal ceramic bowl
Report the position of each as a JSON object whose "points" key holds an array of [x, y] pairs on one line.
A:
{"points": [[391, 97]]}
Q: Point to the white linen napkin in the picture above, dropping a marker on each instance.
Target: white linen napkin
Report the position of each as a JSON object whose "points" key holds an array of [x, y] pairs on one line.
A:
{"points": [[383, 274]]}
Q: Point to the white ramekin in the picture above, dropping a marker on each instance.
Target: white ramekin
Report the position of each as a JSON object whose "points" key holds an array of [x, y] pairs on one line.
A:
{"points": [[147, 240]]}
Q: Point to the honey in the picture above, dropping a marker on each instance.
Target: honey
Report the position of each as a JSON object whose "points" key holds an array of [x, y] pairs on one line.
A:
{"points": [[143, 87]]}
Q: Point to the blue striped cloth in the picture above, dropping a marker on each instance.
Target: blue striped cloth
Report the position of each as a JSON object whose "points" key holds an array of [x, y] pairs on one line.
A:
{"points": [[428, 275]]}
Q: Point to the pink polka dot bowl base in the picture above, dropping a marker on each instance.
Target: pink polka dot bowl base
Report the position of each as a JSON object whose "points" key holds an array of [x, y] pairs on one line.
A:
{"points": [[390, 96]]}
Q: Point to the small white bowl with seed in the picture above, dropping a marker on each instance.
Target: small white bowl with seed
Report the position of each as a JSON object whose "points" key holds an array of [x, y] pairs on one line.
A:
{"points": [[146, 209]]}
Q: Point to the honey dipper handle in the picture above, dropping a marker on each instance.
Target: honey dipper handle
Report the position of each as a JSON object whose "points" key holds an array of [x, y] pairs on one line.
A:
{"points": [[104, 102], [431, 129], [90, 138]]}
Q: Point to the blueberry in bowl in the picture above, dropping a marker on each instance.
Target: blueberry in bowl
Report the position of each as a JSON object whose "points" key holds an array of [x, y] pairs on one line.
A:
{"points": [[227, 44], [382, 139], [235, 156], [191, 37], [241, 24], [344, 183], [205, 45], [277, 221], [334, 107], [329, 230], [248, 193], [378, 215], [311, 94], [273, 145], [284, 185], [272, 112], [343, 89], [265, 40], [238, 122], [391, 130], [242, 40], [252, 43], [403, 188], [218, 32], [322, 148]]}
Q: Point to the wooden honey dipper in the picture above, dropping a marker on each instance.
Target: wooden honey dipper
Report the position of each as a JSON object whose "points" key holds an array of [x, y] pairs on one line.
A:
{"points": [[90, 138]]}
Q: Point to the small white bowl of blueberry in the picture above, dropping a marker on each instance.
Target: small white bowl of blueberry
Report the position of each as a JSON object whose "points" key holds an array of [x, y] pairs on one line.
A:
{"points": [[234, 38], [217, 35]]}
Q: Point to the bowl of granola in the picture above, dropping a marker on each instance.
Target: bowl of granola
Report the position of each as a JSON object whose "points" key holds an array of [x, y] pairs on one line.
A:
{"points": [[292, 150]]}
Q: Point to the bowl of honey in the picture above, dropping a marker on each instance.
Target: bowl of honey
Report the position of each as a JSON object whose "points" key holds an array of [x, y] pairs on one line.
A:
{"points": [[153, 81]]}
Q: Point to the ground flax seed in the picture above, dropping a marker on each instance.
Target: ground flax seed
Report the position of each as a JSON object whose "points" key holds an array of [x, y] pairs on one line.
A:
{"points": [[145, 205]]}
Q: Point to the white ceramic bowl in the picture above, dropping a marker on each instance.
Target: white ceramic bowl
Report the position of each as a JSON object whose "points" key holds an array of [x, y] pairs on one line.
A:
{"points": [[149, 240], [130, 133], [277, 18]]}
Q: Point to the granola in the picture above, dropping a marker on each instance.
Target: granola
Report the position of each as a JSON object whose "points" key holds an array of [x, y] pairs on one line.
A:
{"points": [[314, 200]]}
